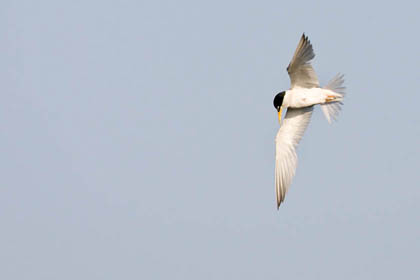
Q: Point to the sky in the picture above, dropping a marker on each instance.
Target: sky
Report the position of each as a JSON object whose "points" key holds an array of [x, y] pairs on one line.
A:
{"points": [[137, 141]]}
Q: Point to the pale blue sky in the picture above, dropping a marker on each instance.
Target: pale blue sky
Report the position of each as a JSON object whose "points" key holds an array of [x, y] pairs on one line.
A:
{"points": [[137, 141]]}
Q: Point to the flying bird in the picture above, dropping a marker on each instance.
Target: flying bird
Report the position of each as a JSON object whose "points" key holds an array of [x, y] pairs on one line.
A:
{"points": [[299, 101]]}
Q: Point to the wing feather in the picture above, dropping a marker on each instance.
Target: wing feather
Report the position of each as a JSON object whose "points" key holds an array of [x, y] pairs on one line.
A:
{"points": [[290, 133], [300, 69]]}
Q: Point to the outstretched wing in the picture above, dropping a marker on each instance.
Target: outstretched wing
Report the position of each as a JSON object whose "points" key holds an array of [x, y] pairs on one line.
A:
{"points": [[300, 70], [294, 125]]}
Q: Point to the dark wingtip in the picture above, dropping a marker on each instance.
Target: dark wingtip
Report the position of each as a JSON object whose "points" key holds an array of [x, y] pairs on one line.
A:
{"points": [[305, 38]]}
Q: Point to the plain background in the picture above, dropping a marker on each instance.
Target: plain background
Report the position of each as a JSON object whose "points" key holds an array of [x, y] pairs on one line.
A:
{"points": [[137, 141]]}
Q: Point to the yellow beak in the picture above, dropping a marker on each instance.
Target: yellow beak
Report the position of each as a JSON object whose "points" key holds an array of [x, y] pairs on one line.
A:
{"points": [[281, 109]]}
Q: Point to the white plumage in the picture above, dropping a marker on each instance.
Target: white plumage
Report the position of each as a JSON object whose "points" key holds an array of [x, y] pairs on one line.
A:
{"points": [[299, 101]]}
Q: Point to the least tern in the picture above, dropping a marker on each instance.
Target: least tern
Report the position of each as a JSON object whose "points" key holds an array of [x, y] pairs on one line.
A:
{"points": [[299, 101]]}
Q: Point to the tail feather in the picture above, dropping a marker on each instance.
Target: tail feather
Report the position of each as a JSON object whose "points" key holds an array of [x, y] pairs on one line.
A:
{"points": [[332, 109]]}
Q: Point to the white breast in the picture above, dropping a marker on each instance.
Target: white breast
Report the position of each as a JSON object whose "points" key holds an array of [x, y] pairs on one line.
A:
{"points": [[303, 97]]}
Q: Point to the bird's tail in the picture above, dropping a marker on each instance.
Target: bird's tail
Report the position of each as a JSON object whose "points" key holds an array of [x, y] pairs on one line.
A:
{"points": [[331, 109]]}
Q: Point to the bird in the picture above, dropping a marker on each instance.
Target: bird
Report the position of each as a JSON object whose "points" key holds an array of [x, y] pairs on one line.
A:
{"points": [[299, 101]]}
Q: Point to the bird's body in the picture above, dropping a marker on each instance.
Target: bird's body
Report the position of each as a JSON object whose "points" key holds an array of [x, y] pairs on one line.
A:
{"points": [[303, 97], [300, 100]]}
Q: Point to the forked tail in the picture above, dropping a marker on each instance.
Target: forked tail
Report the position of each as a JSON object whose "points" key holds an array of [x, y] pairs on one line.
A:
{"points": [[332, 109]]}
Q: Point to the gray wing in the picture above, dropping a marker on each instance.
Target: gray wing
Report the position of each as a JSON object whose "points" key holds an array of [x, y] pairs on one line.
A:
{"points": [[300, 70], [290, 133]]}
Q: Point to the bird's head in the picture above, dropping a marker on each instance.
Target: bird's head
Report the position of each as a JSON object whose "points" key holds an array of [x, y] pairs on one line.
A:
{"points": [[278, 102]]}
